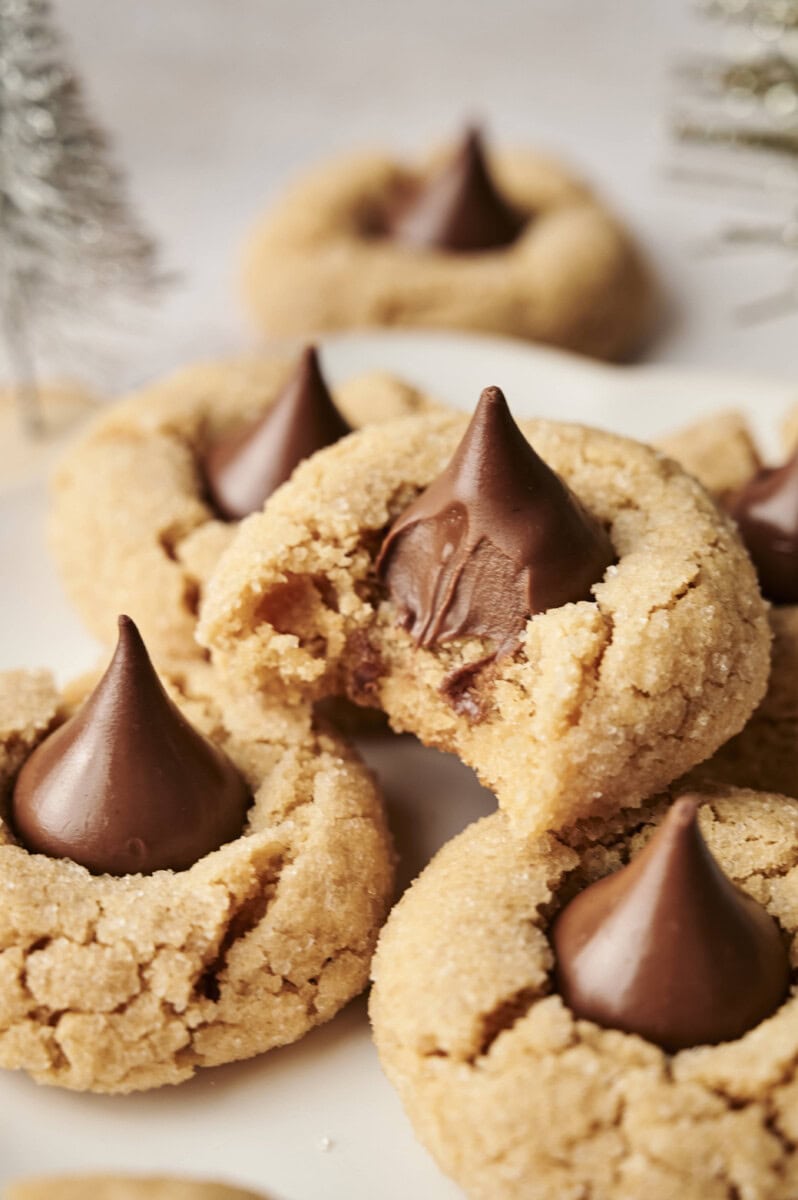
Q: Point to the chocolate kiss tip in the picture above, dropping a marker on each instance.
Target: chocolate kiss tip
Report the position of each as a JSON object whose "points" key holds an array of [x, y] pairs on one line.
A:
{"points": [[496, 537], [242, 470], [683, 811], [668, 948], [459, 209], [127, 785]]}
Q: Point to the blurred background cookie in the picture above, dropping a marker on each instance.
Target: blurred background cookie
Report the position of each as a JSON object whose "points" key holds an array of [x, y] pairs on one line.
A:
{"points": [[507, 243]]}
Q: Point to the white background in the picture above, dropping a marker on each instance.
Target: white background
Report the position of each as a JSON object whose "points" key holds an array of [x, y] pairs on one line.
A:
{"points": [[214, 105]]}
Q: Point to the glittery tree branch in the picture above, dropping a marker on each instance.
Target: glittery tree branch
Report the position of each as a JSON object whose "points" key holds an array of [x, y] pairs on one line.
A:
{"points": [[70, 247], [749, 104]]}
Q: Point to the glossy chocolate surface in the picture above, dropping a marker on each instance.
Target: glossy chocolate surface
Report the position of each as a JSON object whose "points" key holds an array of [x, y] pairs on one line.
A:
{"points": [[766, 512], [669, 948], [241, 471], [496, 537], [459, 209], [127, 785]]}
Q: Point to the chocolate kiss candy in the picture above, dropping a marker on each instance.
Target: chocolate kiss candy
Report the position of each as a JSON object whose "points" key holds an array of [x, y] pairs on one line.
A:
{"points": [[128, 785], [766, 511], [498, 536], [459, 209], [242, 470], [669, 948]]}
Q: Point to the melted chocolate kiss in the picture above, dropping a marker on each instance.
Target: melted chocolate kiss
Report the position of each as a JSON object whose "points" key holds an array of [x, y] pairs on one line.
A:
{"points": [[766, 511], [669, 948], [460, 208], [242, 470], [128, 785], [498, 536]]}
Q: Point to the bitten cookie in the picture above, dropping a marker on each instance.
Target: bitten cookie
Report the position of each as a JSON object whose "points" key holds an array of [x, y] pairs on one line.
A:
{"points": [[515, 1097], [519, 247], [112, 1187], [164, 953], [133, 527], [721, 452], [585, 706]]}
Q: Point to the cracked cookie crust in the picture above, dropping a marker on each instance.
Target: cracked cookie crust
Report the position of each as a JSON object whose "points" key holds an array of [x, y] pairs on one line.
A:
{"points": [[130, 526], [605, 701], [115, 984], [515, 1098], [573, 278]]}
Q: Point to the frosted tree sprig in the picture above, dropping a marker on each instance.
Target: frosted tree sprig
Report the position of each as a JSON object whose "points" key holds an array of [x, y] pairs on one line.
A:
{"points": [[744, 102], [70, 246]]}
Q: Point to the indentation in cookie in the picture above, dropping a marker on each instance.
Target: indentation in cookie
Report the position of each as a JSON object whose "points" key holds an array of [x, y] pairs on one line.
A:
{"points": [[459, 209]]}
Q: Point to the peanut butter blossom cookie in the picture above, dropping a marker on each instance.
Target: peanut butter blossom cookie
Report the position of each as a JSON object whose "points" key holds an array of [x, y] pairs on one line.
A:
{"points": [[123, 1187], [510, 245], [148, 498], [562, 608], [763, 502], [608, 1012], [174, 894]]}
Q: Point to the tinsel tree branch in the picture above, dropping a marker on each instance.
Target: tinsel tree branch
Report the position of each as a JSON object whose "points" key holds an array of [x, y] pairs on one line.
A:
{"points": [[778, 14], [748, 104], [70, 246]]}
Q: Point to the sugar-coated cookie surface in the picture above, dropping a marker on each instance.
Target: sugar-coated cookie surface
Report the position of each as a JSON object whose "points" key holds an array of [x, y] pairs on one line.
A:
{"points": [[114, 984], [130, 527], [573, 278], [110, 1187], [604, 701], [515, 1098]]}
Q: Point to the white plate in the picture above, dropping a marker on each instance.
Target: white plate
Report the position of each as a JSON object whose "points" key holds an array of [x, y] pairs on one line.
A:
{"points": [[318, 1119]]}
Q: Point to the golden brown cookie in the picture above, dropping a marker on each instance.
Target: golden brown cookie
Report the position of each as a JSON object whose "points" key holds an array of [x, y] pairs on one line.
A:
{"points": [[518, 1100], [120, 983], [321, 260], [123, 1187], [721, 452], [131, 529], [603, 701]]}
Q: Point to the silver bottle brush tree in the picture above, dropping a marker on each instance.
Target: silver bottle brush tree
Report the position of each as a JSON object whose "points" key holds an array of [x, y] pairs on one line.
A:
{"points": [[70, 246]]}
